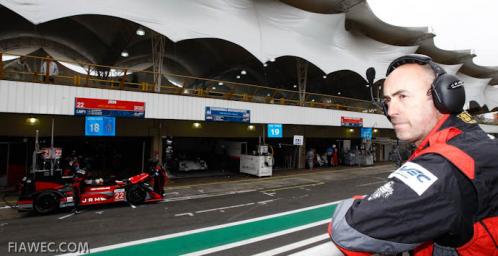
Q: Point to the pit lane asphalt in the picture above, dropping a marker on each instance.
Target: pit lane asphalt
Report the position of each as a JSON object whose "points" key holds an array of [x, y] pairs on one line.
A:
{"points": [[198, 204]]}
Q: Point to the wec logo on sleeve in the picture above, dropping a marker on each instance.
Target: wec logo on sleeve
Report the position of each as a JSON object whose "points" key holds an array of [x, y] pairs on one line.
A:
{"points": [[414, 176]]}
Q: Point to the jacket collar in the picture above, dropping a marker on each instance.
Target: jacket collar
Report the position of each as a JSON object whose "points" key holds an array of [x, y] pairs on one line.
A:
{"points": [[435, 129]]}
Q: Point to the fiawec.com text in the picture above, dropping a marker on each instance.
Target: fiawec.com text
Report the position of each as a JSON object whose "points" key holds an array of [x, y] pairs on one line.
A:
{"points": [[48, 247]]}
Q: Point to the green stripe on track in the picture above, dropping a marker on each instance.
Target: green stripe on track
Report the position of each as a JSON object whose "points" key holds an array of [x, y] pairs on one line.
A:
{"points": [[213, 238]]}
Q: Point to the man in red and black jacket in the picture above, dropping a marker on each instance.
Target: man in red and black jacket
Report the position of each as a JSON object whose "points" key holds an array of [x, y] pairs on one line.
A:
{"points": [[444, 199]]}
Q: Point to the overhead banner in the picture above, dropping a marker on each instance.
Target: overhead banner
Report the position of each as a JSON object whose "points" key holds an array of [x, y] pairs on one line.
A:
{"points": [[216, 114], [351, 121], [274, 131], [100, 126], [106, 107]]}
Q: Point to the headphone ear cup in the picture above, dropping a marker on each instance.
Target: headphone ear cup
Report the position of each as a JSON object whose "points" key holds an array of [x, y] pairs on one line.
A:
{"points": [[448, 94]]}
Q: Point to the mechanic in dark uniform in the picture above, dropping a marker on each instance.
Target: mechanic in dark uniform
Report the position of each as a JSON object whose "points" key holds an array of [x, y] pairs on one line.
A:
{"points": [[444, 199]]}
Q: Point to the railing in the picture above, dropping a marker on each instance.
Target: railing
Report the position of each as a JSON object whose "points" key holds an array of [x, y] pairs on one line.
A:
{"points": [[99, 76]]}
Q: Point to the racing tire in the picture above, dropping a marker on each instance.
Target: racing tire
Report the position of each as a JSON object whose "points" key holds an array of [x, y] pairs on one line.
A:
{"points": [[136, 194], [46, 202]]}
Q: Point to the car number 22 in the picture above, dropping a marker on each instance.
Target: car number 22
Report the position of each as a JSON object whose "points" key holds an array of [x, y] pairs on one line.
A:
{"points": [[119, 194]]}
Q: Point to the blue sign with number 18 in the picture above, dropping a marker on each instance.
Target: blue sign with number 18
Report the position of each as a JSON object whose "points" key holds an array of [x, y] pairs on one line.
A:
{"points": [[100, 126]]}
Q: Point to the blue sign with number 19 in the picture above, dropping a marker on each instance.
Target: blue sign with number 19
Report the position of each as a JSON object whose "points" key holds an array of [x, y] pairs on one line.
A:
{"points": [[274, 131]]}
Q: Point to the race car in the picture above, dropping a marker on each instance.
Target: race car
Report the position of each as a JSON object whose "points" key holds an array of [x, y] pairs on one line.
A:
{"points": [[47, 195]]}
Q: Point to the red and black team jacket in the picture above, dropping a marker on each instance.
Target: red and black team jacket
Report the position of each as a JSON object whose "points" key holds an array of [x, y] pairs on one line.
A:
{"points": [[442, 201]]}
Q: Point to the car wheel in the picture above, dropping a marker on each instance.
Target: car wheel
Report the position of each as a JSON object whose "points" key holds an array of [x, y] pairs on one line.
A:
{"points": [[135, 194], [46, 202]]}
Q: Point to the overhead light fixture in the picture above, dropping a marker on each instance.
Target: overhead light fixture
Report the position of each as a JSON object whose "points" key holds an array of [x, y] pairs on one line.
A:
{"points": [[272, 60], [214, 87], [295, 86], [185, 91], [313, 100], [251, 127], [243, 72], [265, 65], [368, 85], [268, 94], [32, 121], [124, 54], [196, 125], [238, 77], [220, 83], [375, 130], [140, 31], [339, 93], [351, 130], [324, 76]]}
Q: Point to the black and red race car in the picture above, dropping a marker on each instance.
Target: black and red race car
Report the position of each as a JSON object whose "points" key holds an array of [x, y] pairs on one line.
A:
{"points": [[45, 195]]}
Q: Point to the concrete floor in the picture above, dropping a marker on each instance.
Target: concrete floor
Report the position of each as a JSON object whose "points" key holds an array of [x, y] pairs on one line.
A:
{"points": [[202, 203]]}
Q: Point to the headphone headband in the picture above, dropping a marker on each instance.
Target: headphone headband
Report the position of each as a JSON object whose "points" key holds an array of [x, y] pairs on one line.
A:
{"points": [[416, 59]]}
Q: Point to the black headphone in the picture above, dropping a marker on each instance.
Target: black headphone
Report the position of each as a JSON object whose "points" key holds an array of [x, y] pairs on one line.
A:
{"points": [[447, 90]]}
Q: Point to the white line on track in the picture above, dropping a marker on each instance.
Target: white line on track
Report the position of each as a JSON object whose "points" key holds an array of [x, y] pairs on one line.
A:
{"points": [[182, 198], [163, 237], [66, 216], [325, 249], [267, 201], [221, 209], [268, 194], [226, 207], [293, 246], [172, 193], [184, 214], [257, 239], [371, 183]]}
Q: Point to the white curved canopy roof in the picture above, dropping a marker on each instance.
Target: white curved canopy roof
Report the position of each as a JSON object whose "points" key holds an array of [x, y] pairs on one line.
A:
{"points": [[491, 96], [270, 29], [474, 89], [267, 29], [451, 69]]}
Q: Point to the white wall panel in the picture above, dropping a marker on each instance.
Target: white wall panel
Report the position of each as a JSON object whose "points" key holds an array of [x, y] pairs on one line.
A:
{"points": [[17, 97], [33, 102], [28, 95], [4, 96], [69, 99], [43, 92], [53, 100], [12, 98], [20, 95]]}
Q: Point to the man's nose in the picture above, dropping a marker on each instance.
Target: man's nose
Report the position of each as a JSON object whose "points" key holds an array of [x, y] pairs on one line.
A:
{"points": [[392, 109]]}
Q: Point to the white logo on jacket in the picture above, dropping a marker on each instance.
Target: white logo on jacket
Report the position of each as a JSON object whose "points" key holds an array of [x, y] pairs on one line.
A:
{"points": [[384, 191], [414, 176]]}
